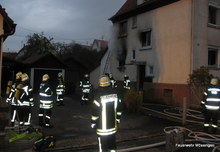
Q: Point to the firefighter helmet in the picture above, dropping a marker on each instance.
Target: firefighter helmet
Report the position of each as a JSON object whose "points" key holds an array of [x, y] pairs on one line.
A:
{"points": [[59, 74], [104, 81], [24, 77], [45, 77], [110, 75], [214, 81], [86, 75], [18, 75]]}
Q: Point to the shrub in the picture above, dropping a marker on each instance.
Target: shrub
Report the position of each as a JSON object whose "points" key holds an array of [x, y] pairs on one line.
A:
{"points": [[132, 100]]}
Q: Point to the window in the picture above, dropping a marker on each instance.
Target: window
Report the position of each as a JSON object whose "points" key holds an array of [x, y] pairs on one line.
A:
{"points": [[212, 14], [146, 39], [150, 71], [133, 55], [213, 57], [134, 22], [123, 28], [168, 92]]}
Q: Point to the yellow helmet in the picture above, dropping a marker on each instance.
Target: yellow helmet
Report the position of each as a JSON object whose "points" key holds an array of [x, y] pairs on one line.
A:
{"points": [[45, 77], [18, 75], [24, 77], [214, 81], [104, 81]]}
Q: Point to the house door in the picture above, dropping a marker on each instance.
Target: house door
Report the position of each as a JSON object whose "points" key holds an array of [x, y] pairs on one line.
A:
{"points": [[141, 76]]}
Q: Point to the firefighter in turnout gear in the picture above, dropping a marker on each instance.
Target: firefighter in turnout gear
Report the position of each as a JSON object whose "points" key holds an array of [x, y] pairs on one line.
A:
{"points": [[126, 82], [106, 113], [25, 100], [211, 104], [86, 89], [11, 89], [46, 102], [112, 80], [60, 89]]}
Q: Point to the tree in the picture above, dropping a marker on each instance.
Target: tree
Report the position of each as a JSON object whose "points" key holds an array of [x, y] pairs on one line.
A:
{"points": [[198, 81], [37, 44]]}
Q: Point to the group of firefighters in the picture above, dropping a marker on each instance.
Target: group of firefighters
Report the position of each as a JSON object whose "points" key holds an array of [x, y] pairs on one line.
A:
{"points": [[106, 107], [21, 100]]}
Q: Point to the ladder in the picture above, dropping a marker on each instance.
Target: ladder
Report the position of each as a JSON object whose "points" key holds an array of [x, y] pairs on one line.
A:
{"points": [[106, 63]]}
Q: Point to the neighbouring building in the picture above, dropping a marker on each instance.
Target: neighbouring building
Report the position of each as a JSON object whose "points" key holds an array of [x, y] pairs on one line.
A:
{"points": [[7, 28], [38, 65], [158, 43], [100, 45]]}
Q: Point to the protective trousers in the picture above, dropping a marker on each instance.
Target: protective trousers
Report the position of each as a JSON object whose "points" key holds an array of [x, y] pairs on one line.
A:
{"points": [[211, 118], [107, 143], [44, 116]]}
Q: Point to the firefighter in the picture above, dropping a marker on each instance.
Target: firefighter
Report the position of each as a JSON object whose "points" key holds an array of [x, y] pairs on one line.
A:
{"points": [[86, 89], [25, 100], [112, 80], [46, 102], [126, 82], [60, 89], [211, 104], [11, 89], [106, 113]]}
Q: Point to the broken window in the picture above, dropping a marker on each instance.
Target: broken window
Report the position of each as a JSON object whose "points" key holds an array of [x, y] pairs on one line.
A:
{"points": [[146, 38], [212, 57]]}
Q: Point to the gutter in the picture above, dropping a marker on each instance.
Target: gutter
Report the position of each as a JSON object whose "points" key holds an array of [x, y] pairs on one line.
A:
{"points": [[5, 35]]}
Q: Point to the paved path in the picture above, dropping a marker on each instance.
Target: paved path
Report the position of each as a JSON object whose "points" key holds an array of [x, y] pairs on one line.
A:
{"points": [[72, 127]]}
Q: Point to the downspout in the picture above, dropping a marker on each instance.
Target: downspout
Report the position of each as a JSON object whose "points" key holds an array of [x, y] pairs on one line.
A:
{"points": [[1, 52]]}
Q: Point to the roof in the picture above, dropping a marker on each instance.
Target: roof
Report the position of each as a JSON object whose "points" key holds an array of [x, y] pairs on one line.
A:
{"points": [[10, 55], [37, 57], [130, 8], [9, 26], [103, 43]]}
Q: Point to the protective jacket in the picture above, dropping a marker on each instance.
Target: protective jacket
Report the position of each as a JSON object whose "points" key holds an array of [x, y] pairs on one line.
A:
{"points": [[26, 95], [60, 87], [106, 111], [126, 83], [10, 99], [211, 98], [86, 86], [45, 93], [113, 82]]}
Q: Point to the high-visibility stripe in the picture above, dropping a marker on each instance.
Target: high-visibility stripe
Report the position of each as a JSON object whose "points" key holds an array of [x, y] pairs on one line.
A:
{"points": [[213, 99], [213, 89], [214, 126], [47, 89], [97, 103], [212, 107], [94, 117], [46, 101], [100, 144], [206, 125], [45, 95]]}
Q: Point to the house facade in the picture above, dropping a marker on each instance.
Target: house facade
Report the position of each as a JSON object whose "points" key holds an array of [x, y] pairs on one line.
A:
{"points": [[159, 43]]}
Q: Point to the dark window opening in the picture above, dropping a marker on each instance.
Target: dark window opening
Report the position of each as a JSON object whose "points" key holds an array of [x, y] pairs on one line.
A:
{"points": [[168, 92], [123, 28], [146, 38], [133, 54], [213, 57], [212, 15]]}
